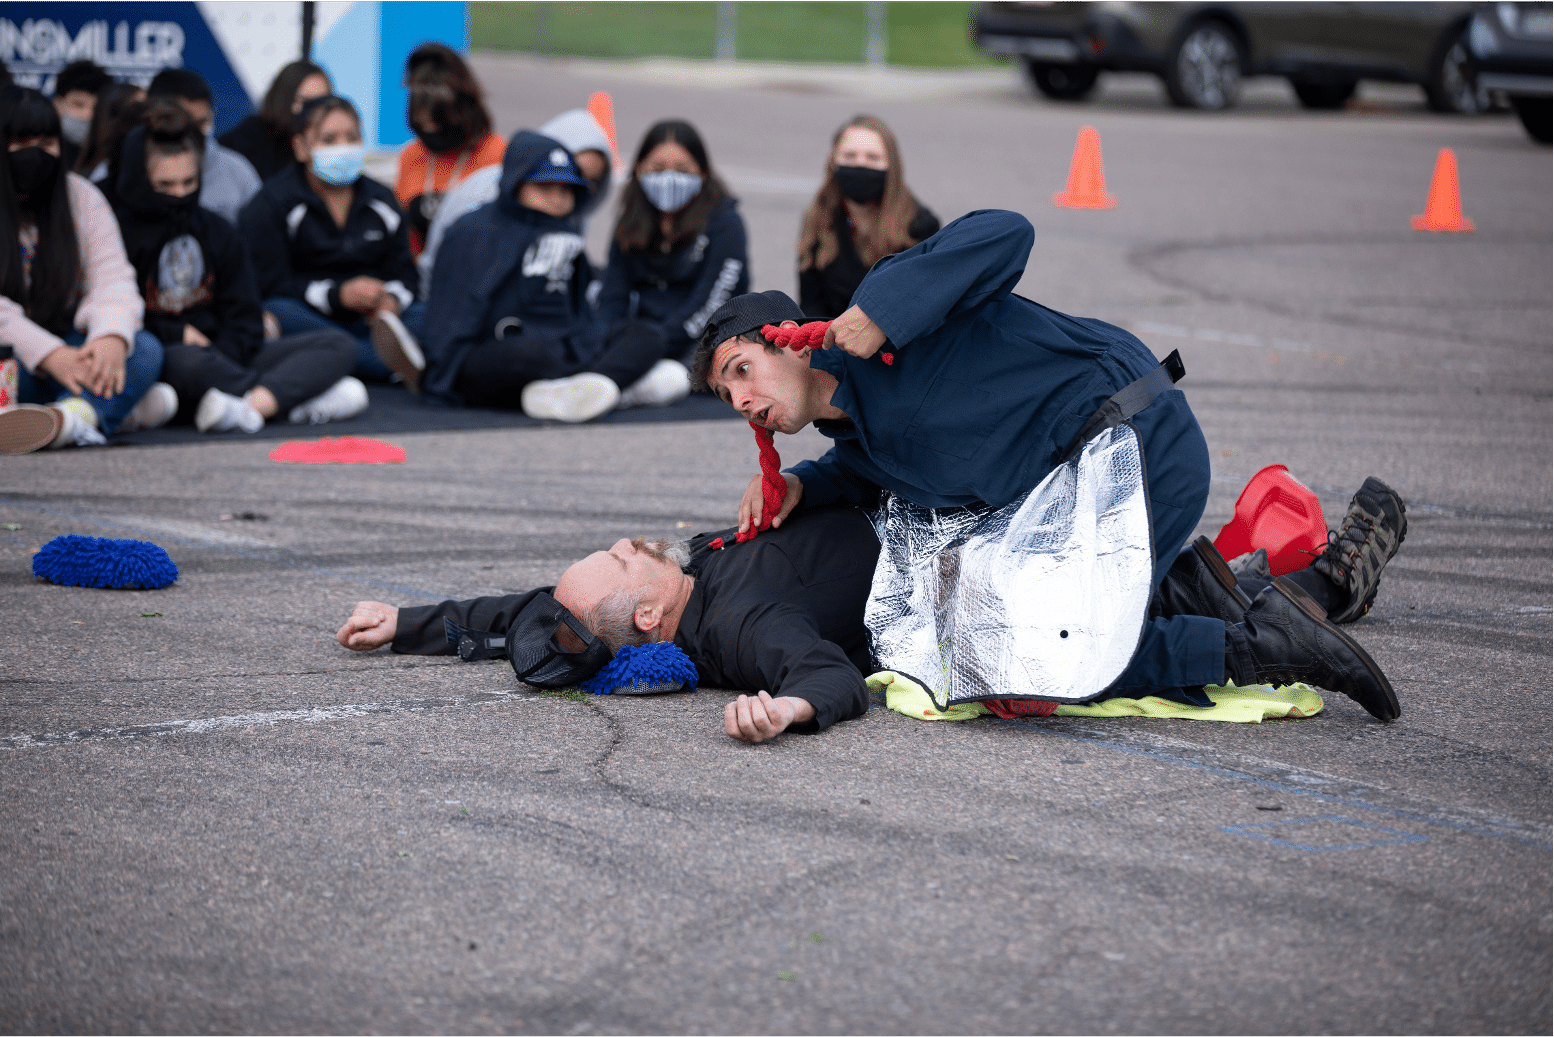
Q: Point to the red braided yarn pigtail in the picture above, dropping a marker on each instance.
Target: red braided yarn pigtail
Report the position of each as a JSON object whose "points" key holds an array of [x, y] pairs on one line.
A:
{"points": [[805, 336], [774, 488]]}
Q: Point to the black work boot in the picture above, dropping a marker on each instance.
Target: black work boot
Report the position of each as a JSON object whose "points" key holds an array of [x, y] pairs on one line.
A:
{"points": [[1285, 638], [1199, 583], [1371, 533]]}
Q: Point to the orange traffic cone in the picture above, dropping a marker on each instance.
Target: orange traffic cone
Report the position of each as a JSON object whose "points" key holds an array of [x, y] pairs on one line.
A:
{"points": [[603, 110], [1443, 209], [1086, 180]]}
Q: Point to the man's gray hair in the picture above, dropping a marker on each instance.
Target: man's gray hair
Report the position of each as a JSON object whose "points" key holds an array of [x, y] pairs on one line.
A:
{"points": [[614, 619]]}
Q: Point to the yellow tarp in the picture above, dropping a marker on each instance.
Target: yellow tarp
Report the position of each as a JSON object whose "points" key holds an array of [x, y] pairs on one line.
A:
{"points": [[1232, 705]]}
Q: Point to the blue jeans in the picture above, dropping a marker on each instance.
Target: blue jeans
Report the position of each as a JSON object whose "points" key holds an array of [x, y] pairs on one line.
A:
{"points": [[141, 369], [297, 318]]}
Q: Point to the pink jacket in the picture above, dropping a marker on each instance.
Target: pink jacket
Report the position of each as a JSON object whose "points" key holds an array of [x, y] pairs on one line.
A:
{"points": [[110, 303]]}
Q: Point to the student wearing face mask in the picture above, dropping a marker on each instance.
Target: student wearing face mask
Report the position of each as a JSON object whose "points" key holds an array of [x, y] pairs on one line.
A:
{"points": [[678, 251], [862, 213], [508, 321], [68, 305], [120, 107], [264, 138], [202, 302], [447, 111], [230, 181], [330, 246], [75, 99]]}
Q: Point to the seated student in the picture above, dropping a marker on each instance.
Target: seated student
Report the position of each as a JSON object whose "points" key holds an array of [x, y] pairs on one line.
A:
{"points": [[202, 301], [508, 323], [229, 179], [68, 305], [264, 138], [862, 213], [447, 111], [75, 99], [679, 246], [330, 246], [108, 129], [780, 617], [577, 131]]}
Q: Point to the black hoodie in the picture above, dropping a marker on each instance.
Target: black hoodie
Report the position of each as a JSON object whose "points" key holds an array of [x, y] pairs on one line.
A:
{"points": [[504, 260], [190, 266], [299, 251]]}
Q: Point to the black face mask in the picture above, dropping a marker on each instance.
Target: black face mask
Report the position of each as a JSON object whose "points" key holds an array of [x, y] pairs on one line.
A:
{"points": [[174, 206], [860, 183], [441, 140], [32, 175]]}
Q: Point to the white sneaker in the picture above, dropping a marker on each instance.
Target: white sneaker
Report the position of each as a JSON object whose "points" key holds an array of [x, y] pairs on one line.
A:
{"points": [[28, 427], [75, 429], [582, 397], [344, 399], [397, 348], [153, 410], [223, 412], [667, 382]]}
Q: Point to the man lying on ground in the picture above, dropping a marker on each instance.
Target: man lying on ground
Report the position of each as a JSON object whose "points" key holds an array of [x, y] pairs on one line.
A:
{"points": [[979, 395], [779, 617]]}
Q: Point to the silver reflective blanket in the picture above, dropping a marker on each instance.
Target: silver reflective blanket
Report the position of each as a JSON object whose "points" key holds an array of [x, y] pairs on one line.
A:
{"points": [[1043, 598]]}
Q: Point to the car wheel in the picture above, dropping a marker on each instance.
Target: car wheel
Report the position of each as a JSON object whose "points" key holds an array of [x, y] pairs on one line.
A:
{"points": [[1534, 113], [1205, 69], [1451, 86], [1327, 94], [1061, 82]]}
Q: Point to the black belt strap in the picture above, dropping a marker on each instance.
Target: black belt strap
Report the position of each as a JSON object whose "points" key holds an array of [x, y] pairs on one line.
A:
{"points": [[1128, 401]]}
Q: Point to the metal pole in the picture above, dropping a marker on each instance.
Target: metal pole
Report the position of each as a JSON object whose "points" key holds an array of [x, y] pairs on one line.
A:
{"points": [[874, 48], [728, 30], [307, 30], [542, 13]]}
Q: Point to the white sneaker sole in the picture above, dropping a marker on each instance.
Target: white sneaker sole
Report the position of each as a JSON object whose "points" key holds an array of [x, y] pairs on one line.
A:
{"points": [[582, 397], [398, 349], [28, 428]]}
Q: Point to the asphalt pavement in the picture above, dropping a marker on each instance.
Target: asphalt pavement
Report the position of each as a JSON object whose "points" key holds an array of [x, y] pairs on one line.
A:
{"points": [[212, 818]]}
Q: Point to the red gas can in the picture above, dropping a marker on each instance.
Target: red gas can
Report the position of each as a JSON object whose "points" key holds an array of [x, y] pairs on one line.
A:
{"points": [[1278, 513]]}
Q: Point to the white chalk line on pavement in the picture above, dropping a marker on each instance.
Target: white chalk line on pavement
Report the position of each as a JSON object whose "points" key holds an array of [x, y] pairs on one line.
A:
{"points": [[1273, 344]]}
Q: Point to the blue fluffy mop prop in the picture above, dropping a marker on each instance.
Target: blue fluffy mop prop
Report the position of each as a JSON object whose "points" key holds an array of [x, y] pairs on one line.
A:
{"points": [[78, 561], [650, 669]]}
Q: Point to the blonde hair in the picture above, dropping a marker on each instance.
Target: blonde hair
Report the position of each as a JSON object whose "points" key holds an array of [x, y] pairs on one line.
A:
{"points": [[817, 238]]}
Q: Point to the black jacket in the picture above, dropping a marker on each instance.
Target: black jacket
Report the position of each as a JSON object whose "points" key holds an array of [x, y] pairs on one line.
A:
{"points": [[504, 261], [782, 613], [300, 252], [681, 290], [190, 266], [252, 139], [825, 292]]}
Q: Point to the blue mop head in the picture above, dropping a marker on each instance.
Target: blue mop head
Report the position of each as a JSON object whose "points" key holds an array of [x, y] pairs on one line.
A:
{"points": [[650, 669], [77, 561]]}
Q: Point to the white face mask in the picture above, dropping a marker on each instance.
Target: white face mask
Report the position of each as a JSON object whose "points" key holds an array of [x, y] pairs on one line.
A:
{"points": [[670, 190], [74, 128], [339, 164]]}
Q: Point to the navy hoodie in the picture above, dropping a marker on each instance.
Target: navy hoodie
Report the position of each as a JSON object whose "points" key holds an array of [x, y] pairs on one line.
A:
{"points": [[681, 290], [506, 262], [299, 252], [190, 266]]}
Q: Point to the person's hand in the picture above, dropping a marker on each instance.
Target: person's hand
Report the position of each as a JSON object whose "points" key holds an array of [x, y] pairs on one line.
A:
{"points": [[272, 327], [102, 365], [361, 294], [853, 332], [753, 504], [65, 367], [372, 625], [192, 336], [755, 718]]}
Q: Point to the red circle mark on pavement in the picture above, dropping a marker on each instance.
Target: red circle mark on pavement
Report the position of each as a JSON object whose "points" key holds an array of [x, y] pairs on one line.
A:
{"points": [[338, 450]]}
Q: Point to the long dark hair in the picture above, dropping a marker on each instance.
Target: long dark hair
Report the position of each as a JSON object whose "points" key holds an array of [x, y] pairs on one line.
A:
{"points": [[55, 282], [275, 112], [637, 229], [108, 129], [442, 86], [817, 239]]}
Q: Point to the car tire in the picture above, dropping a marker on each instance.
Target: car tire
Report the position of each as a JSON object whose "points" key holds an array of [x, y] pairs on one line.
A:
{"points": [[1204, 69], [1061, 82], [1325, 94], [1534, 113], [1450, 87]]}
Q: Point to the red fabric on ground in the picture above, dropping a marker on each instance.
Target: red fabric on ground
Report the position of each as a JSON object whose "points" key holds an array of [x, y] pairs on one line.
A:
{"points": [[338, 450], [1011, 709]]}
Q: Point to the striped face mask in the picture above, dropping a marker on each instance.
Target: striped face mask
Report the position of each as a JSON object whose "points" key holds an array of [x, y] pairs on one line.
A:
{"points": [[670, 190]]}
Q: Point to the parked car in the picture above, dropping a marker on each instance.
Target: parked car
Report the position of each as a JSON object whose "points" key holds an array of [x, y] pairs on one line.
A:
{"points": [[1509, 51], [1203, 50]]}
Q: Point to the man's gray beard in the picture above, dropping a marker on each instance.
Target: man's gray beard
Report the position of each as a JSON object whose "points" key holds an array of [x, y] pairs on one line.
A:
{"points": [[664, 549]]}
